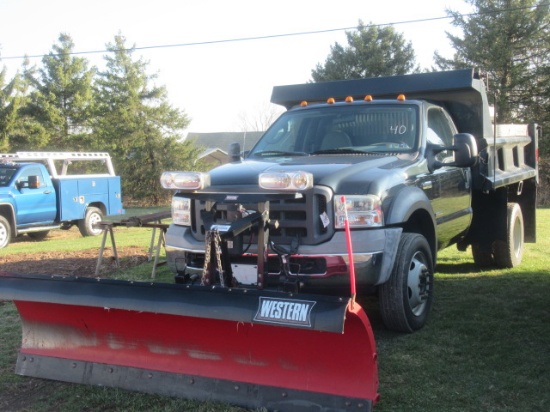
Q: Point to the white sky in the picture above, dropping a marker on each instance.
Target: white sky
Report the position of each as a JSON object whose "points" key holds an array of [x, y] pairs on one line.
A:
{"points": [[215, 84]]}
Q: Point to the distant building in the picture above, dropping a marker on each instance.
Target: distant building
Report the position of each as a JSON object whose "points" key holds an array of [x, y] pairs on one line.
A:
{"points": [[217, 144], [214, 157]]}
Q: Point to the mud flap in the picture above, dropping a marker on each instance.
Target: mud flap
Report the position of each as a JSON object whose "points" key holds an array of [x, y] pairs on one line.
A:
{"points": [[246, 347]]}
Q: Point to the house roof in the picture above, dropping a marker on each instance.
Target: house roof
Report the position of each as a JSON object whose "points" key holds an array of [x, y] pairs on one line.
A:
{"points": [[215, 156]]}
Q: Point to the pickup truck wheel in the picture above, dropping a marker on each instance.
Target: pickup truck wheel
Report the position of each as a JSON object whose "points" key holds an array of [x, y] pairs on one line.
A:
{"points": [[38, 235], [5, 232], [86, 226], [509, 252], [406, 298]]}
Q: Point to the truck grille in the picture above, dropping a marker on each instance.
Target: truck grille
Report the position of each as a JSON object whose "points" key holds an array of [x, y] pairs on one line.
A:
{"points": [[298, 218]]}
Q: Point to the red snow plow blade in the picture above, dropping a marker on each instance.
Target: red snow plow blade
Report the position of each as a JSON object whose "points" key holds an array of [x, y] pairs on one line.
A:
{"points": [[246, 347]]}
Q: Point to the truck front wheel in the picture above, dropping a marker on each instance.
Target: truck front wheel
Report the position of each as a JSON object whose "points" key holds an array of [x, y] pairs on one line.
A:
{"points": [[509, 252], [86, 226], [5, 232], [406, 298]]}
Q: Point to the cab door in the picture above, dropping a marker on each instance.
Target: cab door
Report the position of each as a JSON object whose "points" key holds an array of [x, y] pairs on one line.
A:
{"points": [[36, 204], [451, 192]]}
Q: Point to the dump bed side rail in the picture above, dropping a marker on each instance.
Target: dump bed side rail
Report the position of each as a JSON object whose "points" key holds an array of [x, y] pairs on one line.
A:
{"points": [[512, 156]]}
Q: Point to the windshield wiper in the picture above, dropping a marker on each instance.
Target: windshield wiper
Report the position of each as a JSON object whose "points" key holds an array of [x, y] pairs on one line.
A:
{"points": [[341, 150], [275, 153]]}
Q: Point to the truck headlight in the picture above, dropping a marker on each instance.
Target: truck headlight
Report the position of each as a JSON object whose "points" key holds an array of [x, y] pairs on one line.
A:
{"points": [[295, 181], [185, 180], [181, 211], [362, 211]]}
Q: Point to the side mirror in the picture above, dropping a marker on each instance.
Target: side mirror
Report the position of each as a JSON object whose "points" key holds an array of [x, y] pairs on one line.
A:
{"points": [[465, 149], [234, 152], [34, 182]]}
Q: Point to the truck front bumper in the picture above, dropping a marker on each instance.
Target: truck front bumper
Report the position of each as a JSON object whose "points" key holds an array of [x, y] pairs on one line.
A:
{"points": [[374, 253]]}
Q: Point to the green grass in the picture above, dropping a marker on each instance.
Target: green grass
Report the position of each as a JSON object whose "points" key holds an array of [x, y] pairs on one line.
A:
{"points": [[60, 240], [486, 346]]}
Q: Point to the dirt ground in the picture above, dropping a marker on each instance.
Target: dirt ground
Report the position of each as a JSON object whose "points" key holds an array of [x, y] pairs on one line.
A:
{"points": [[80, 263]]}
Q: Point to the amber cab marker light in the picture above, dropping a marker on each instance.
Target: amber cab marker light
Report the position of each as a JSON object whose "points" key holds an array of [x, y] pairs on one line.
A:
{"points": [[349, 99], [401, 97], [368, 98], [331, 100], [303, 103]]}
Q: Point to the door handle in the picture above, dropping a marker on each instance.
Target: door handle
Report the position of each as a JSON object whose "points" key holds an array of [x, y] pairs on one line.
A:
{"points": [[47, 192]]}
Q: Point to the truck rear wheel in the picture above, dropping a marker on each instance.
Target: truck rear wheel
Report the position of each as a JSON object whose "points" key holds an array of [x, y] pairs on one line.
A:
{"points": [[86, 226], [406, 298], [5, 232], [509, 252]]}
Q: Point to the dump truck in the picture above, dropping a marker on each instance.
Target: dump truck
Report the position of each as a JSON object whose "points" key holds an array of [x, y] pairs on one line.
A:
{"points": [[353, 190], [421, 164], [41, 191]]}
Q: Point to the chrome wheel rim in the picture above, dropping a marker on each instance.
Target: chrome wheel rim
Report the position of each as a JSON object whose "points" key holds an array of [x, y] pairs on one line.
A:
{"points": [[418, 284]]}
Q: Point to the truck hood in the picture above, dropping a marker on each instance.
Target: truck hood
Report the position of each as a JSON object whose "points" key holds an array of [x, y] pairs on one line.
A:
{"points": [[342, 173]]}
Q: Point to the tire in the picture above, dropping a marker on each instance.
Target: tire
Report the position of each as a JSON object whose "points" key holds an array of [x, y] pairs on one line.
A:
{"points": [[86, 226], [38, 235], [406, 298], [482, 258], [508, 253], [5, 232]]}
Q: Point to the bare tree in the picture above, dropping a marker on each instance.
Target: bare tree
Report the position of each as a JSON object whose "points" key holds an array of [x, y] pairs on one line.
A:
{"points": [[259, 119]]}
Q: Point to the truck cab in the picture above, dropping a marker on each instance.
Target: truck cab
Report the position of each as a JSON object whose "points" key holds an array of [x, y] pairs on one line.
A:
{"points": [[31, 190], [414, 139]]}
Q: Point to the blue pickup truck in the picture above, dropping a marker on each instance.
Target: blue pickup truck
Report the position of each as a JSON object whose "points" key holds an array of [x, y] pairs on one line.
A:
{"points": [[40, 191]]}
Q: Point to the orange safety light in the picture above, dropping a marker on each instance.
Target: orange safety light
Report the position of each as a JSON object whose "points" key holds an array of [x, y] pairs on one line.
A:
{"points": [[368, 98], [401, 98], [303, 103], [349, 99], [331, 100]]}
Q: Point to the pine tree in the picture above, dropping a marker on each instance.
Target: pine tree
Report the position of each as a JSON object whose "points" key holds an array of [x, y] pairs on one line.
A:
{"points": [[136, 124], [8, 109], [27, 132], [371, 52], [509, 40], [18, 130], [61, 97]]}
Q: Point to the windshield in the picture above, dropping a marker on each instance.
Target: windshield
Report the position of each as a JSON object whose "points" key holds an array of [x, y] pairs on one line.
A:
{"points": [[361, 128], [6, 173]]}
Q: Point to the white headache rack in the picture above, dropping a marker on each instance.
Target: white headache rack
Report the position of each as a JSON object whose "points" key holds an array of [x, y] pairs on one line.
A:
{"points": [[66, 157]]}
